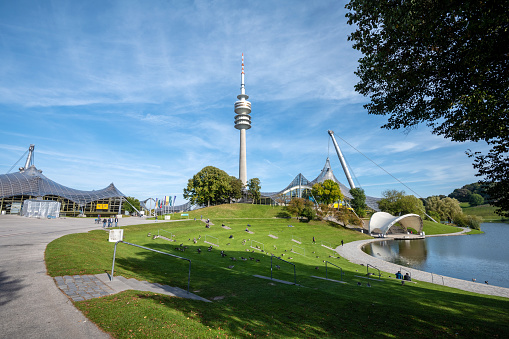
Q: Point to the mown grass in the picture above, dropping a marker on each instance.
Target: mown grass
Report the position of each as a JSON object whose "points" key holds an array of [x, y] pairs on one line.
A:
{"points": [[487, 212], [431, 227], [246, 306], [242, 211]]}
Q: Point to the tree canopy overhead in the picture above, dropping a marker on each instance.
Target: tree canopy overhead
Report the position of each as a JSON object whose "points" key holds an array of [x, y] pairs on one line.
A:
{"points": [[444, 63]]}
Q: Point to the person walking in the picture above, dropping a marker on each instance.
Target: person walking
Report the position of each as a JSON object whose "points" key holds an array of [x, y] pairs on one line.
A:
{"points": [[116, 221], [104, 222]]}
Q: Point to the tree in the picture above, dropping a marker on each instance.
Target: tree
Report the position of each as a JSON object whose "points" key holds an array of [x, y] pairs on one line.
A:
{"points": [[209, 186], [447, 208], [235, 188], [302, 208], [461, 194], [326, 192], [397, 203], [131, 201], [443, 63], [476, 200], [358, 202], [254, 187], [296, 206], [389, 202]]}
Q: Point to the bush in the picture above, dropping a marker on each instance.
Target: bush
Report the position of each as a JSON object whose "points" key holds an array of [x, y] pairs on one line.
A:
{"points": [[361, 213], [308, 213], [476, 200], [472, 221]]}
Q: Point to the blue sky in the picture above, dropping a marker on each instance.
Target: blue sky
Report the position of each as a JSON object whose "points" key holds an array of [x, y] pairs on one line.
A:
{"points": [[141, 94]]}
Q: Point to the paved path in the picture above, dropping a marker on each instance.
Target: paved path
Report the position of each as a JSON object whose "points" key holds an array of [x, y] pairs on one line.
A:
{"points": [[86, 287], [353, 252], [31, 305]]}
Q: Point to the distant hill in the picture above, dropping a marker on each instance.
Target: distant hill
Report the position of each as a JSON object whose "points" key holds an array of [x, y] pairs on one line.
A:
{"points": [[487, 212]]}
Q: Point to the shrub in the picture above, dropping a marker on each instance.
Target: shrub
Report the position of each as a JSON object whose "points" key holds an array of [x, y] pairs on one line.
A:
{"points": [[472, 221], [476, 200]]}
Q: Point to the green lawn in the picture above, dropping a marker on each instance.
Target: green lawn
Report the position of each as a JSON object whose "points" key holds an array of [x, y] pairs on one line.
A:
{"points": [[242, 211], [431, 227], [487, 212], [247, 306]]}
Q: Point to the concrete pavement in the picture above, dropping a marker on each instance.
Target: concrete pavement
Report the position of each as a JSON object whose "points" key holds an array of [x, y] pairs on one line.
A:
{"points": [[31, 305]]}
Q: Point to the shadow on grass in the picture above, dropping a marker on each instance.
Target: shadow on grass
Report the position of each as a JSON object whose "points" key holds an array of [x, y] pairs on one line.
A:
{"points": [[262, 307]]}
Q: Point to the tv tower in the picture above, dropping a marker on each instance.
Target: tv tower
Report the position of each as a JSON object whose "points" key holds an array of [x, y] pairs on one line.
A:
{"points": [[242, 122]]}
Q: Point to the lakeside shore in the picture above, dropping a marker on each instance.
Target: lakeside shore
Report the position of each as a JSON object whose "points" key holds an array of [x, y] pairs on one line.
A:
{"points": [[353, 252]]}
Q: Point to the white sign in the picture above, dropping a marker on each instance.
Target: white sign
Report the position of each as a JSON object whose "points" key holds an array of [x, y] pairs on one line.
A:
{"points": [[116, 235]]}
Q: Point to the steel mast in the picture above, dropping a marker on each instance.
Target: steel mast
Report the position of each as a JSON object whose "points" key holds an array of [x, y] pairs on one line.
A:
{"points": [[342, 160]]}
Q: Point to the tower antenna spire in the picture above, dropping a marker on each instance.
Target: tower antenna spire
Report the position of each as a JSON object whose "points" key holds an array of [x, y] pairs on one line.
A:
{"points": [[242, 123]]}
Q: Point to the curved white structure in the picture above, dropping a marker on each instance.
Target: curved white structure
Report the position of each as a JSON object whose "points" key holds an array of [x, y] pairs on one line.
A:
{"points": [[242, 122], [384, 221]]}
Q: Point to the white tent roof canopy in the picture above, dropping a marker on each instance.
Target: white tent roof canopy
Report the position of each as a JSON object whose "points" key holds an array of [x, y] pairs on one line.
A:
{"points": [[384, 221]]}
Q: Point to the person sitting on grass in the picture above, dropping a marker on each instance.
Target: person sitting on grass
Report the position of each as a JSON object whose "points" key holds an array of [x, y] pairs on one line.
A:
{"points": [[407, 277], [399, 275]]}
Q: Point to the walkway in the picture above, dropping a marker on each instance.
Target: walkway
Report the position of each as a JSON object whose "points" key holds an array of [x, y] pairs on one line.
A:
{"points": [[85, 287], [31, 305], [353, 252]]}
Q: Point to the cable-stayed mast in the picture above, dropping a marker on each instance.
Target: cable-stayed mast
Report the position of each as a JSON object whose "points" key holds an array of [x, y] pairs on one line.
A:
{"points": [[342, 160], [242, 123]]}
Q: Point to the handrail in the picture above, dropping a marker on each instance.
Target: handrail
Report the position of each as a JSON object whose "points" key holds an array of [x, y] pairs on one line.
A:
{"points": [[150, 249], [376, 268], [164, 231], [334, 265], [294, 273]]}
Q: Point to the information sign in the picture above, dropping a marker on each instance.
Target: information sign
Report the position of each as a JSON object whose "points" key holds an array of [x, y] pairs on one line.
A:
{"points": [[116, 235]]}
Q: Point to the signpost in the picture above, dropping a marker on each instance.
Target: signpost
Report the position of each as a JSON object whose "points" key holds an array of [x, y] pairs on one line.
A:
{"points": [[116, 235]]}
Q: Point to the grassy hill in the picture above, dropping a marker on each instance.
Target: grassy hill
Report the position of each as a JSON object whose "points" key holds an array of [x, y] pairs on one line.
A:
{"points": [[246, 306], [228, 211], [487, 212]]}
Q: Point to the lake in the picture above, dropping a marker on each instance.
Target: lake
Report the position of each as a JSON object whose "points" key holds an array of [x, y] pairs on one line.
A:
{"points": [[484, 257]]}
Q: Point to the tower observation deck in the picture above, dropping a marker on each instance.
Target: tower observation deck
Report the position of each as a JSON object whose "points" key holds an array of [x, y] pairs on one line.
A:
{"points": [[242, 123]]}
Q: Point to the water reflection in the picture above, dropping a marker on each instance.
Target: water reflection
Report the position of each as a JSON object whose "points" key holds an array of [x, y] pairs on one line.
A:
{"points": [[401, 252], [484, 257]]}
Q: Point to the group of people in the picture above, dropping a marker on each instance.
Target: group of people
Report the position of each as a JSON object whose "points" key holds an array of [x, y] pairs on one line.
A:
{"points": [[399, 275], [110, 221]]}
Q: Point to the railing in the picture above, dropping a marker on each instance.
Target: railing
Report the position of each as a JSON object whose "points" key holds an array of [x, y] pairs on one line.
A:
{"points": [[432, 281], [149, 249], [159, 230], [333, 265], [367, 272], [294, 273]]}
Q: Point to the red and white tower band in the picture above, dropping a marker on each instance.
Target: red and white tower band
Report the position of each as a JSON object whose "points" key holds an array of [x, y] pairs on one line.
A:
{"points": [[242, 122]]}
